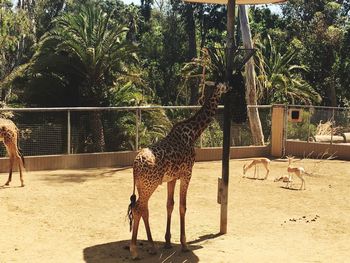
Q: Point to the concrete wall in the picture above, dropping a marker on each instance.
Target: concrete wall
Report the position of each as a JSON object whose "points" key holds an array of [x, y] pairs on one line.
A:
{"points": [[115, 159], [301, 149], [112, 159]]}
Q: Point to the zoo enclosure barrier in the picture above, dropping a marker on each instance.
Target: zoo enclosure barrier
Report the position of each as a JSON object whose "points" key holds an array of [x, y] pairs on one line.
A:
{"points": [[318, 124], [310, 131], [55, 131]]}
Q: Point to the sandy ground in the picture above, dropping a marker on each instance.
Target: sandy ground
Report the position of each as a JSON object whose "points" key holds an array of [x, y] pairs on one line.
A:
{"points": [[79, 216]]}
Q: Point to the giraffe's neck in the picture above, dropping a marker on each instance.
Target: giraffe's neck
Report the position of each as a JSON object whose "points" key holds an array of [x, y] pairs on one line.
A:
{"points": [[189, 130]]}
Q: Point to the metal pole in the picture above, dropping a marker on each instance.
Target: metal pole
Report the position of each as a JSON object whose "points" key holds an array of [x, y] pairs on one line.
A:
{"points": [[137, 130], [230, 43], [308, 127], [68, 132], [333, 121], [285, 133]]}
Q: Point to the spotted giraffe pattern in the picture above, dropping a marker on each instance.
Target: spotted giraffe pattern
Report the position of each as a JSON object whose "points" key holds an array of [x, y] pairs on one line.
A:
{"points": [[9, 136], [169, 160]]}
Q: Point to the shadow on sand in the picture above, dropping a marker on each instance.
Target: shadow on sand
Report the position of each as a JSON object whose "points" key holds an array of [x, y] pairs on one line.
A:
{"points": [[254, 178], [80, 176], [116, 252], [119, 252], [3, 187], [290, 188]]}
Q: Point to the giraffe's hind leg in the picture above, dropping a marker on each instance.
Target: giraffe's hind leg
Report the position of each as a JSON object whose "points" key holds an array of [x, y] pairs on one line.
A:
{"points": [[11, 161], [170, 208], [183, 196], [20, 165], [135, 227], [145, 216], [14, 155], [141, 210]]}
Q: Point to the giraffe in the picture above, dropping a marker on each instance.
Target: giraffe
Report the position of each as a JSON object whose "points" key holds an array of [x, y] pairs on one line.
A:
{"points": [[9, 136], [169, 160]]}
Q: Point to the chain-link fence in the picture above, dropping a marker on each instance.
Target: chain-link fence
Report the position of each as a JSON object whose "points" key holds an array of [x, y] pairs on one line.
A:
{"points": [[318, 124], [50, 131]]}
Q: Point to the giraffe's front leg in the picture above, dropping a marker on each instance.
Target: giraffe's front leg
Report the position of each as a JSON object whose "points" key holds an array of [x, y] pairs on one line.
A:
{"points": [[183, 194], [170, 208]]}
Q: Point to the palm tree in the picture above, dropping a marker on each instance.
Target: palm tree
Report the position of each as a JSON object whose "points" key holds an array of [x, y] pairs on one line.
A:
{"points": [[278, 79], [95, 50]]}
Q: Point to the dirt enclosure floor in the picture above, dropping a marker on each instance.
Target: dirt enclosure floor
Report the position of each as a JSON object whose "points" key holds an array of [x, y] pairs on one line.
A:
{"points": [[80, 216]]}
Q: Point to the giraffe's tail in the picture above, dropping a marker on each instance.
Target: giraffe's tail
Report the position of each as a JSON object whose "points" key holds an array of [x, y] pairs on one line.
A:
{"points": [[131, 206], [19, 149]]}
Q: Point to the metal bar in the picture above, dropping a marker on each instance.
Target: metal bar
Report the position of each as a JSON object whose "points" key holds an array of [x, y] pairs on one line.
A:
{"points": [[68, 133], [260, 106], [131, 108], [319, 107]]}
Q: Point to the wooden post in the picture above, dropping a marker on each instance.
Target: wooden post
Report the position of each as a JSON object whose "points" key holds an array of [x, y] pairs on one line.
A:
{"points": [[277, 130], [230, 44]]}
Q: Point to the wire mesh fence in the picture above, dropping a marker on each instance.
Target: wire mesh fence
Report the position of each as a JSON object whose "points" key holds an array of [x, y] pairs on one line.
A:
{"points": [[318, 124], [51, 131]]}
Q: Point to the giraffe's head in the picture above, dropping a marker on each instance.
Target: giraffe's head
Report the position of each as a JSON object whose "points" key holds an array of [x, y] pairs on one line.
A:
{"points": [[213, 90], [220, 89]]}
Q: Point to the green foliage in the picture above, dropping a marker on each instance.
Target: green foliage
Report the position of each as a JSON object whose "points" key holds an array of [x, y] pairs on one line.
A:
{"points": [[320, 26], [301, 130], [84, 53], [15, 36], [107, 53], [279, 80], [213, 135]]}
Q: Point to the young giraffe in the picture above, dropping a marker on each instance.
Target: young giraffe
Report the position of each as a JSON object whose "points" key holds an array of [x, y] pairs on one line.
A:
{"points": [[169, 160], [9, 136]]}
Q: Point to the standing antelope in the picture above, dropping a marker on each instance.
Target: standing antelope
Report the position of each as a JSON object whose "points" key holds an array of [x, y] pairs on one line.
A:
{"points": [[264, 161], [299, 171]]}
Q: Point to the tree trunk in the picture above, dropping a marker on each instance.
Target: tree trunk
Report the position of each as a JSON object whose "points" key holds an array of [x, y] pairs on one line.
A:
{"points": [[96, 126], [332, 96], [192, 49], [251, 97]]}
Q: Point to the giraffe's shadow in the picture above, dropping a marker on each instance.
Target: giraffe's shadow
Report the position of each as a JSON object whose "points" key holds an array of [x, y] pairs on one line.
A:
{"points": [[3, 187], [118, 252]]}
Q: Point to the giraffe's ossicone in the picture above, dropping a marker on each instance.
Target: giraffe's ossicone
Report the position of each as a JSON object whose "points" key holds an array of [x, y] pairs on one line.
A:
{"points": [[169, 160]]}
